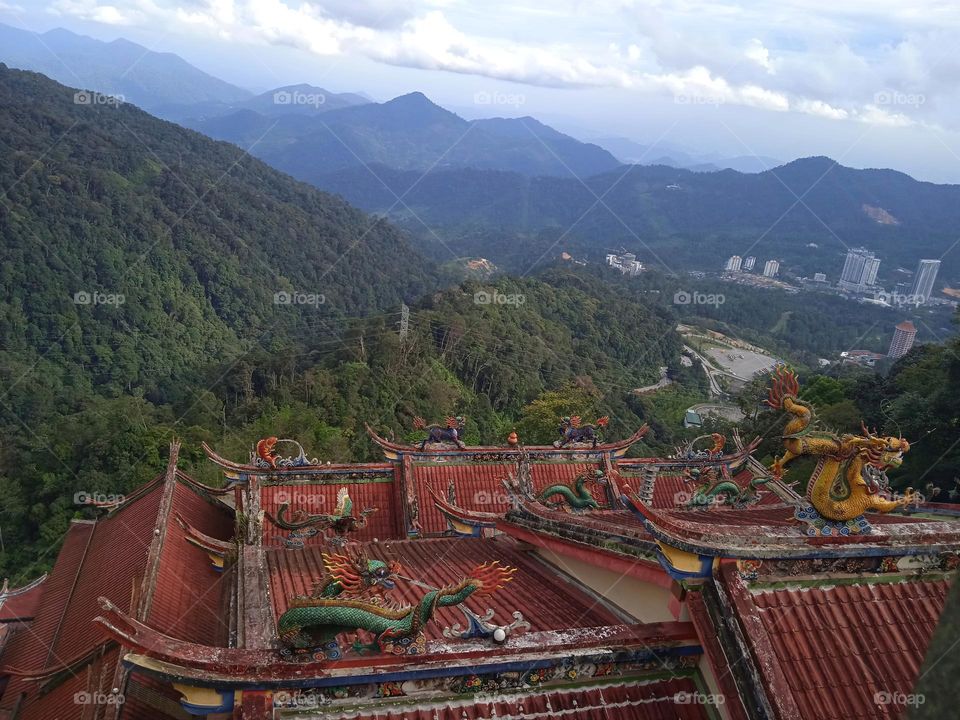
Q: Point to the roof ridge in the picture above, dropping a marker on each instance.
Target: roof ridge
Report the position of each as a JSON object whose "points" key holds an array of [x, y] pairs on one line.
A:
{"points": [[148, 584]]}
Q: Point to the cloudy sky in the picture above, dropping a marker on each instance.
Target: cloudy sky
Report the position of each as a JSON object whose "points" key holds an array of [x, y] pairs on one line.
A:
{"points": [[872, 84]]}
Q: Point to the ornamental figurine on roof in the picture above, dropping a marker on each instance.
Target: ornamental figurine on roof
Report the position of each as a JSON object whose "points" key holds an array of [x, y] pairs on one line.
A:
{"points": [[850, 478], [353, 597], [303, 525], [266, 455], [449, 433], [572, 431]]}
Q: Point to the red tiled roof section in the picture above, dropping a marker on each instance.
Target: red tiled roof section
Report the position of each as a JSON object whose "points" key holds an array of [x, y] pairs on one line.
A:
{"points": [[28, 649], [544, 598], [187, 597], [639, 701], [20, 603], [479, 486], [322, 500], [840, 646]]}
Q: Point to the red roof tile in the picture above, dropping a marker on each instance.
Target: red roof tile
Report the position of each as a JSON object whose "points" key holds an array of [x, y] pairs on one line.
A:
{"points": [[318, 499], [546, 600], [479, 486], [653, 700], [187, 598], [21, 603], [840, 648]]}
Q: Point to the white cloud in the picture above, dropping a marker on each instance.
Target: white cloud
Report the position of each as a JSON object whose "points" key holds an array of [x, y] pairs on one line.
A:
{"points": [[831, 65], [818, 107]]}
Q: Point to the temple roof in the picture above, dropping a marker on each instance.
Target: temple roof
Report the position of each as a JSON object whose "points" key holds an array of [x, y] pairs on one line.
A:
{"points": [[137, 556], [837, 648], [546, 600], [17, 604]]}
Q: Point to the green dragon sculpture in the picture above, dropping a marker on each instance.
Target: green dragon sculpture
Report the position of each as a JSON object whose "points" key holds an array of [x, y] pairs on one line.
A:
{"points": [[578, 498], [353, 598], [709, 491]]}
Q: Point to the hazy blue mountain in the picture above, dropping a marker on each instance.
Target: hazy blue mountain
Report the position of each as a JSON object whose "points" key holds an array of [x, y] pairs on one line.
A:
{"points": [[690, 219], [143, 77], [408, 133]]}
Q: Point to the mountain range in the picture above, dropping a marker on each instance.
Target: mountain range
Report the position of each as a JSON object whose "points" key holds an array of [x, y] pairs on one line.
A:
{"points": [[407, 133], [806, 213], [516, 190]]}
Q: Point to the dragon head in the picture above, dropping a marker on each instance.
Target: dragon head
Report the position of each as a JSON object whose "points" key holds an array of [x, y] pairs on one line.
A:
{"points": [[880, 454], [359, 576]]}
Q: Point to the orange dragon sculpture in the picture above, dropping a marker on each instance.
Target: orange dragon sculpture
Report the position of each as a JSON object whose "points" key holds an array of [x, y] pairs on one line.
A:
{"points": [[849, 476]]}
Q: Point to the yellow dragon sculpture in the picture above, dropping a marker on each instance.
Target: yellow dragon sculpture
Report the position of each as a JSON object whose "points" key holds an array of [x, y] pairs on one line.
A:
{"points": [[847, 480]]}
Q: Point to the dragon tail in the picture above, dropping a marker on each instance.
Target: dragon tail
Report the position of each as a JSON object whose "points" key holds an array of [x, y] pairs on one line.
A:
{"points": [[785, 384], [419, 423]]}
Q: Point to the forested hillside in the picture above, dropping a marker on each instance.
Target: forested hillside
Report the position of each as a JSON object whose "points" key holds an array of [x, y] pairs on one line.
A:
{"points": [[806, 213]]}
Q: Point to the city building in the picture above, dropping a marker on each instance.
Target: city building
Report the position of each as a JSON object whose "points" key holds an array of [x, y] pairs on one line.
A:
{"points": [[547, 581], [859, 270], [749, 262], [924, 279], [903, 336], [771, 268], [819, 277], [733, 264], [626, 263]]}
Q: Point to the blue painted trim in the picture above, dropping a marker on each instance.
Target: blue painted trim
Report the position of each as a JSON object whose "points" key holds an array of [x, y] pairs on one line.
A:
{"points": [[225, 706]]}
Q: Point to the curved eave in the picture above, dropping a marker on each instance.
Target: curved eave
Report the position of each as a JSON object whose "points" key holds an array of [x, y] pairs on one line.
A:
{"points": [[236, 469], [770, 541], [160, 654], [393, 449], [467, 517], [201, 540]]}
